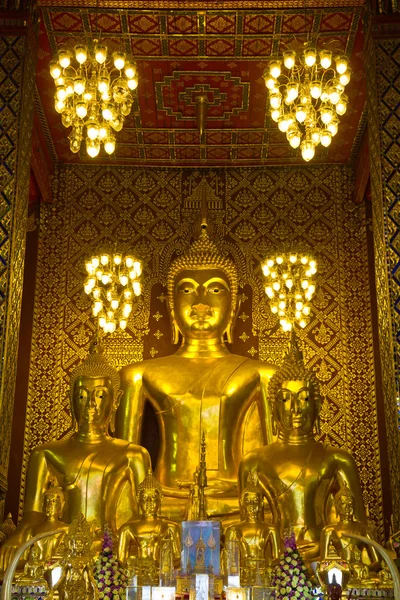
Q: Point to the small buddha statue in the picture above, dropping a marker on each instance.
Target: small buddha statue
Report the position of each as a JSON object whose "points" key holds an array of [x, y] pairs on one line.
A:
{"points": [[91, 467], [385, 577], [143, 538], [53, 505], [258, 541], [34, 568], [200, 388], [349, 549], [297, 474], [76, 562]]}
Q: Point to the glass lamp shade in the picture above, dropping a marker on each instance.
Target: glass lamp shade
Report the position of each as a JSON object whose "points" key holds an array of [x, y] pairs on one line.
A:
{"points": [[133, 83], [55, 69], [80, 53], [130, 69], [310, 56], [275, 69], [92, 147], [289, 59], [307, 150], [325, 57]]}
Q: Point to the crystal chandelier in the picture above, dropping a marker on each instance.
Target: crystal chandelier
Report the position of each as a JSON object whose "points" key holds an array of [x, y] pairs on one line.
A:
{"points": [[307, 99], [108, 282], [94, 96], [290, 287]]}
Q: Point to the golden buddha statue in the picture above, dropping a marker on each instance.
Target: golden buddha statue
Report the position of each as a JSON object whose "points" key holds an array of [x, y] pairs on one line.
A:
{"points": [[346, 548], [92, 468], [77, 561], [200, 388], [258, 541], [297, 474], [34, 568], [143, 539]]}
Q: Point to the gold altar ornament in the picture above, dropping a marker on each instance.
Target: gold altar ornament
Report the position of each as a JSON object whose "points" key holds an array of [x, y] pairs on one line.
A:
{"points": [[306, 96], [142, 539], [94, 95], [86, 462], [290, 287], [202, 387], [297, 474], [113, 283]]}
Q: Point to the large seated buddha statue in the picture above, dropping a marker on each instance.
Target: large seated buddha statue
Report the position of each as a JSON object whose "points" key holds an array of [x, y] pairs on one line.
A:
{"points": [[297, 474], [202, 387], [92, 468]]}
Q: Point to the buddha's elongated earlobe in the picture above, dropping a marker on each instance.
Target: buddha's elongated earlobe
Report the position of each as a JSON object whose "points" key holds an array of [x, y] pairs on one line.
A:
{"points": [[317, 425], [274, 426], [234, 315], [114, 410]]}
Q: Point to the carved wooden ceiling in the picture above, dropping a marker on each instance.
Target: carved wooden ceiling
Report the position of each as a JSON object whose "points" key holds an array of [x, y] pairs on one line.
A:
{"points": [[223, 53]]}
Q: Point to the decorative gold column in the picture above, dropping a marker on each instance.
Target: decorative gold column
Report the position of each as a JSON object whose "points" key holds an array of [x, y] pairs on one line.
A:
{"points": [[382, 68], [17, 57]]}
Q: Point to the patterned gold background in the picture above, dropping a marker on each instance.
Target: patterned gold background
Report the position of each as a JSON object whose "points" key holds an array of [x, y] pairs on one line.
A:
{"points": [[255, 212]]}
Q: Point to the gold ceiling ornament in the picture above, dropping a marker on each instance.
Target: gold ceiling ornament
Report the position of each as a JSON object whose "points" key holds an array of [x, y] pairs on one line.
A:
{"points": [[306, 96], [95, 95], [113, 283], [290, 287]]}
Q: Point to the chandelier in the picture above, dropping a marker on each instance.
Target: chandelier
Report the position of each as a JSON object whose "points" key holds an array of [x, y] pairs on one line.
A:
{"points": [[94, 96], [112, 283], [306, 96], [290, 287]]}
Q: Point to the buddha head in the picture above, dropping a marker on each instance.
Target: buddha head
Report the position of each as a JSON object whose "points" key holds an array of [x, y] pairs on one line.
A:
{"points": [[202, 291], [53, 501], [95, 391], [294, 395], [149, 496], [251, 501], [345, 503]]}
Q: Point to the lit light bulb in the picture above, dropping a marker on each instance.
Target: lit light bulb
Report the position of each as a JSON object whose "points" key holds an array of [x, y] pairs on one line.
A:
{"points": [[137, 288], [300, 113], [69, 86], [325, 58], [103, 85], [289, 59], [98, 305], [342, 63], [130, 70], [311, 288], [279, 260], [345, 77], [304, 260], [306, 310], [292, 91], [137, 265], [302, 323], [294, 137], [310, 56], [92, 147], [123, 323], [270, 82], [107, 111], [304, 284], [104, 258], [100, 52], [89, 267], [117, 259], [276, 286], [105, 279], [81, 110], [127, 309], [326, 115], [127, 294], [269, 291], [341, 106], [275, 100], [316, 135], [275, 114], [133, 83], [123, 279], [289, 283], [333, 127], [103, 131], [334, 95], [307, 150], [119, 60], [109, 144], [99, 274], [265, 270], [274, 309], [80, 53], [326, 137], [59, 106], [96, 292], [61, 93], [55, 69], [95, 262], [114, 304], [129, 261], [313, 264], [92, 130], [64, 58], [275, 69], [270, 262], [132, 274], [283, 124], [315, 89], [299, 305], [282, 305], [79, 85], [102, 322], [297, 314]]}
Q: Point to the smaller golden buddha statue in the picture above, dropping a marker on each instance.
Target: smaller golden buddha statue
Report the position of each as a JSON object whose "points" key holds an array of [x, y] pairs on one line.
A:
{"points": [[296, 474], [258, 541], [93, 469], [34, 569], [346, 548], [143, 539], [385, 577], [76, 562], [53, 505]]}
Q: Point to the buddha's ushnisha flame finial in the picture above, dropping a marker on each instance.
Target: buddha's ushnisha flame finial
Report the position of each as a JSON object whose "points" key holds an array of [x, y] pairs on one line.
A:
{"points": [[149, 483]]}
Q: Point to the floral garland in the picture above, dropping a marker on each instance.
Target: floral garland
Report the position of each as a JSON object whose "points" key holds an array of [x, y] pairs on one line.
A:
{"points": [[108, 571], [290, 575]]}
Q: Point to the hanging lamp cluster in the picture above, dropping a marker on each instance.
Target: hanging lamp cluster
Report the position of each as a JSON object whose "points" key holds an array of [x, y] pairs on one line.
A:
{"points": [[306, 96], [93, 96]]}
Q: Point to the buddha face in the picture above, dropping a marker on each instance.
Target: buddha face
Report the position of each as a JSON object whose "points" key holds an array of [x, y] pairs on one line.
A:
{"points": [[345, 507], [251, 504], [93, 400], [202, 305], [149, 502], [295, 407], [52, 505]]}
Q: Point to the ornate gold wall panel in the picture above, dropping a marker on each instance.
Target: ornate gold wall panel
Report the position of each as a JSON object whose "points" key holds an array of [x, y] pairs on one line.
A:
{"points": [[383, 59], [17, 57], [255, 212]]}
